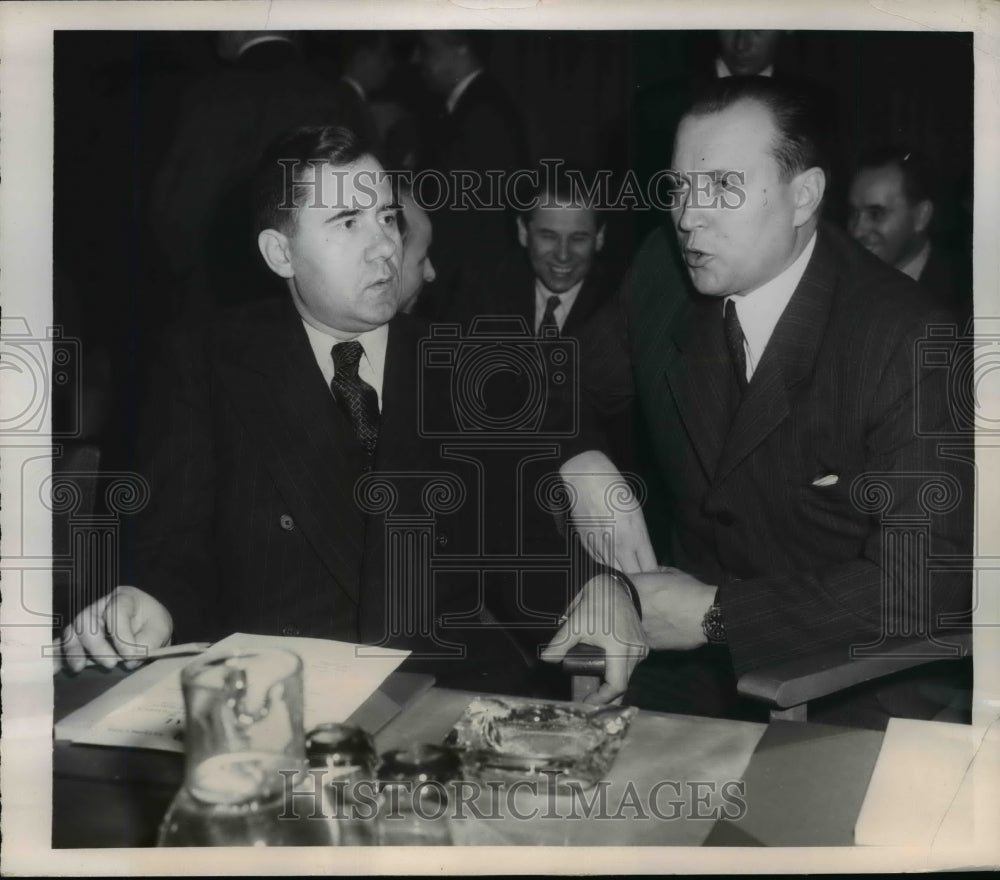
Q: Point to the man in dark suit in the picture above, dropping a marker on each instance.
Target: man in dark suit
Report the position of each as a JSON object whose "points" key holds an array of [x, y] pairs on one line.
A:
{"points": [[789, 424], [292, 486], [367, 62], [476, 129], [892, 202]]}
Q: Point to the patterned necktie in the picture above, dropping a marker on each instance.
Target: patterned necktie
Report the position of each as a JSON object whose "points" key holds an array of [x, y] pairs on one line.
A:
{"points": [[735, 341], [356, 398], [549, 318]]}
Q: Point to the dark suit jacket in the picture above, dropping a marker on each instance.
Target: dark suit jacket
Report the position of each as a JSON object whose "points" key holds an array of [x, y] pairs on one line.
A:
{"points": [[947, 279], [353, 111], [802, 566], [510, 290], [264, 516]]}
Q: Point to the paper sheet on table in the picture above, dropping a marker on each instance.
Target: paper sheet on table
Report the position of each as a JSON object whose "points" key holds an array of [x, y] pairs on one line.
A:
{"points": [[918, 773], [335, 681]]}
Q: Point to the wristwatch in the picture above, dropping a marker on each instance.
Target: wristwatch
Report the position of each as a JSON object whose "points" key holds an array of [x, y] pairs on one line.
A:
{"points": [[712, 625]]}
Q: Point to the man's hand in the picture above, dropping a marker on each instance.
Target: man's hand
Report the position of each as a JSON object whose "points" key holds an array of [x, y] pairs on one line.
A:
{"points": [[606, 514], [602, 614], [673, 606], [123, 625]]}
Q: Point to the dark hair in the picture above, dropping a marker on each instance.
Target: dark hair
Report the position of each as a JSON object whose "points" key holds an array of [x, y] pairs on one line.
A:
{"points": [[919, 179], [479, 43], [353, 42], [274, 189], [561, 185], [795, 108]]}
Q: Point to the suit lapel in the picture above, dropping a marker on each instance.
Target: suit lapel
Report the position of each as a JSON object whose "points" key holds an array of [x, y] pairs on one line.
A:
{"points": [[788, 358], [587, 302], [700, 379], [280, 393]]}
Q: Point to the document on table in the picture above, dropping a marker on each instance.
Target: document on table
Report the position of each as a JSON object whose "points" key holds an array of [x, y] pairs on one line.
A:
{"points": [[146, 710]]}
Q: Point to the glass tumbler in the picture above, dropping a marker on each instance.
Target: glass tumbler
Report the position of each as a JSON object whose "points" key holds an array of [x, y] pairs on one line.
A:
{"points": [[414, 795], [244, 751]]}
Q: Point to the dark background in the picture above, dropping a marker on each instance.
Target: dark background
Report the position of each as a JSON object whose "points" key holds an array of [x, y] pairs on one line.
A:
{"points": [[118, 96]]}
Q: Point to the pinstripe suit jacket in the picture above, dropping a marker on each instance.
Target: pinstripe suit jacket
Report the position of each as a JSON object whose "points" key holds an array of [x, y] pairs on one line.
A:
{"points": [[255, 523], [783, 497]]}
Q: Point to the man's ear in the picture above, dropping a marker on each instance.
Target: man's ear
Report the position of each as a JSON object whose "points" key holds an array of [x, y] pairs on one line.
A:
{"points": [[923, 215], [522, 232], [599, 239], [808, 188], [274, 248]]}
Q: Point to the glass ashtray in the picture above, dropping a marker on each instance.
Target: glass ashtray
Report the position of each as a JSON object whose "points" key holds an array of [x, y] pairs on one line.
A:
{"points": [[508, 739]]}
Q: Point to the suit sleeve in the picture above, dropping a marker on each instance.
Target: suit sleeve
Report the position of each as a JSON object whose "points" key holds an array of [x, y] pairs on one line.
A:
{"points": [[917, 491], [174, 560]]}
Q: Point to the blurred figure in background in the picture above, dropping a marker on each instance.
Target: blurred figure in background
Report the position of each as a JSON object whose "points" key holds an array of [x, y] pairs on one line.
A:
{"points": [[892, 203], [367, 62], [477, 129], [200, 209], [416, 269]]}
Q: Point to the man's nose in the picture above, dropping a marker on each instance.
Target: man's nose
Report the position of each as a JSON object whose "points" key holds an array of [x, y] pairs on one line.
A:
{"points": [[856, 225], [383, 244], [744, 41], [562, 250], [429, 273], [688, 216]]}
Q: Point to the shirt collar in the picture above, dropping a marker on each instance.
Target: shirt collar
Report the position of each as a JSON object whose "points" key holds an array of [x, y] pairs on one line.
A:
{"points": [[354, 84], [372, 365], [760, 310], [566, 300], [915, 266], [722, 69], [459, 90]]}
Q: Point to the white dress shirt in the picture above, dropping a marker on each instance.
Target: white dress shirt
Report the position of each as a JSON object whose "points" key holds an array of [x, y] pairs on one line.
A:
{"points": [[915, 267], [371, 367], [459, 90], [354, 84], [760, 310], [722, 69], [566, 300]]}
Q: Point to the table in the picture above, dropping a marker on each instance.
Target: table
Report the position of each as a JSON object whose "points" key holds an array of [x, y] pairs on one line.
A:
{"points": [[677, 781]]}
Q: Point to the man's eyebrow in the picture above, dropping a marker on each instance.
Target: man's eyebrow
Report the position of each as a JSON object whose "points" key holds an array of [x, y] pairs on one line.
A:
{"points": [[340, 215], [395, 206]]}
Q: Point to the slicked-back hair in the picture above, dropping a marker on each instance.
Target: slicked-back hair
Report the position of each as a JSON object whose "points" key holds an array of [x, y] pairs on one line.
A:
{"points": [[919, 179], [289, 160], [563, 186], [799, 118]]}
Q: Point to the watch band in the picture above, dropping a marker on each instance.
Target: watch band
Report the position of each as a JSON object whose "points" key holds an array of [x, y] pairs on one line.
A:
{"points": [[713, 626]]}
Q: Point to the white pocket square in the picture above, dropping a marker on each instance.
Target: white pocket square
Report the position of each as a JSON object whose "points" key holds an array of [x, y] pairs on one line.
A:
{"points": [[828, 480]]}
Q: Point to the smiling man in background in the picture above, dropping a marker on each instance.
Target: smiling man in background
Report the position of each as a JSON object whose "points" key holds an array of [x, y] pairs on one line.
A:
{"points": [[892, 203]]}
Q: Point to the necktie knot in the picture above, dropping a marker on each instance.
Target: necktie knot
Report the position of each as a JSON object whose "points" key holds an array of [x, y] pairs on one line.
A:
{"points": [[346, 357], [549, 316]]}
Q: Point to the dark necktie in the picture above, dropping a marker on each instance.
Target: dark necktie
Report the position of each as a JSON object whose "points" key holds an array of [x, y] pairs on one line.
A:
{"points": [[356, 398], [735, 341], [549, 318]]}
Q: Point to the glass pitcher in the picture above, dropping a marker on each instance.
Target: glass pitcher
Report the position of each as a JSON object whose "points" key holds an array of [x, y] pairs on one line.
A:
{"points": [[244, 751]]}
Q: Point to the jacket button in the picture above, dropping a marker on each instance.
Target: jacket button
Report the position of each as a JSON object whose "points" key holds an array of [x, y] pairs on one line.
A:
{"points": [[724, 518], [289, 629], [286, 522], [442, 540]]}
